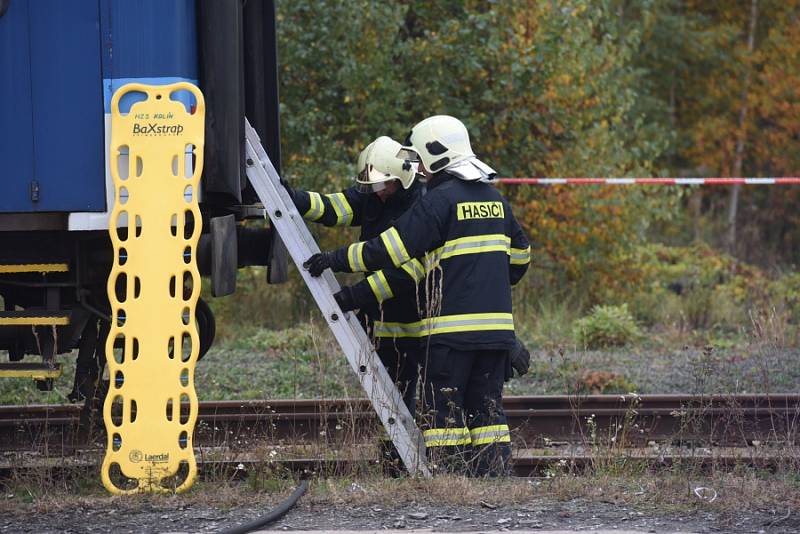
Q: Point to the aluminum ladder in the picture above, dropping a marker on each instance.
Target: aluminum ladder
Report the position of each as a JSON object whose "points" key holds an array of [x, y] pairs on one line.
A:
{"points": [[372, 375]]}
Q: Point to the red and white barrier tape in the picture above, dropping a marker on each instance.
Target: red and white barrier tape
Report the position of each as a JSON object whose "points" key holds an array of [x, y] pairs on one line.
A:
{"points": [[784, 180]]}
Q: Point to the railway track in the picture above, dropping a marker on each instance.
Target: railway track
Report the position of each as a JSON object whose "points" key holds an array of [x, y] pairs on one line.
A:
{"points": [[333, 435], [536, 421]]}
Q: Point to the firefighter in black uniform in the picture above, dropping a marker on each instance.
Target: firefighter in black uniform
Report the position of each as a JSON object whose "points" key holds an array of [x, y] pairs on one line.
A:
{"points": [[385, 189], [472, 250]]}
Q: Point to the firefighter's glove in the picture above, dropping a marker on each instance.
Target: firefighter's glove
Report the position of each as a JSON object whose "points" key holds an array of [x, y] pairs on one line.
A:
{"points": [[288, 188], [520, 358], [318, 263], [345, 299]]}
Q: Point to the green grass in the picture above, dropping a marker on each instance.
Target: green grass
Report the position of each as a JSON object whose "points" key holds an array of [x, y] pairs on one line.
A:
{"points": [[305, 362], [299, 362], [24, 391], [255, 363]]}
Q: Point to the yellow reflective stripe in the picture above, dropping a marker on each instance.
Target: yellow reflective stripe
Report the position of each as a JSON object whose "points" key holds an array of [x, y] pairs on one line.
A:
{"points": [[395, 247], [484, 435], [380, 287], [520, 256], [317, 208], [344, 212], [355, 257], [414, 269], [388, 329], [470, 322], [447, 324], [432, 260], [474, 244], [443, 437]]}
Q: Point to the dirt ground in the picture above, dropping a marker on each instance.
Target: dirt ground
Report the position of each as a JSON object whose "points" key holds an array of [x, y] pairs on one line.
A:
{"points": [[577, 515], [438, 505]]}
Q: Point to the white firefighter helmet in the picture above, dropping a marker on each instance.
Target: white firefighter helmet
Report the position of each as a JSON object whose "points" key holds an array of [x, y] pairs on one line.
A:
{"points": [[442, 142], [380, 162]]}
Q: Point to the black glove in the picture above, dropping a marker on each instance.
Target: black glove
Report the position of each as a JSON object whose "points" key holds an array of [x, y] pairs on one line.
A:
{"points": [[520, 358], [345, 299], [289, 190], [318, 263]]}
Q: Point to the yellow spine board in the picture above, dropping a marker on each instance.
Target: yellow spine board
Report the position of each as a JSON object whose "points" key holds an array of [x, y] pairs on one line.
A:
{"points": [[153, 289]]}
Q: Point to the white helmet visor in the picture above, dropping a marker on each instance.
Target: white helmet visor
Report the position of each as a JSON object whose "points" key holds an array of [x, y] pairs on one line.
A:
{"points": [[371, 180], [370, 188]]}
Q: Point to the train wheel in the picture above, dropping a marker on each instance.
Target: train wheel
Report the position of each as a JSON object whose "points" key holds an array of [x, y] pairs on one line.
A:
{"points": [[206, 326]]}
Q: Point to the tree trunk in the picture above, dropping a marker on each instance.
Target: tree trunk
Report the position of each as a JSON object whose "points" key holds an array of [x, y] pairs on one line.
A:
{"points": [[696, 211], [733, 202]]}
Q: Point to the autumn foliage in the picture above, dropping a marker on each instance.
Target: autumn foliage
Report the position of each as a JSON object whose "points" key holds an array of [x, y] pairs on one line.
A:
{"points": [[568, 88]]}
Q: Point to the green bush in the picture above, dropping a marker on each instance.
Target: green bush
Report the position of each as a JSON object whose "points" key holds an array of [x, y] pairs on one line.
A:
{"points": [[696, 287], [606, 326], [787, 290]]}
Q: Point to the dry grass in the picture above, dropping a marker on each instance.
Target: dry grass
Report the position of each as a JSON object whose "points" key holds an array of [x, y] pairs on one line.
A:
{"points": [[665, 492]]}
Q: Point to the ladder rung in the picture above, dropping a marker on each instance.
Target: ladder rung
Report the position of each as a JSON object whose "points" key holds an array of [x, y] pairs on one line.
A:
{"points": [[35, 371], [11, 268], [34, 317]]}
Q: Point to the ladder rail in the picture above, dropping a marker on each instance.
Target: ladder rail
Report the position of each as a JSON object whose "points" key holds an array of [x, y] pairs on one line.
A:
{"points": [[372, 375]]}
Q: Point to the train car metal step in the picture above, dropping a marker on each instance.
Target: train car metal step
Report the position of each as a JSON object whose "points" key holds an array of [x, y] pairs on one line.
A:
{"points": [[15, 268], [35, 371], [34, 318]]}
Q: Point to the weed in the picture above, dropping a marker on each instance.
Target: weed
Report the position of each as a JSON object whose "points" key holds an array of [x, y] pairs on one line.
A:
{"points": [[603, 382], [547, 323], [607, 326]]}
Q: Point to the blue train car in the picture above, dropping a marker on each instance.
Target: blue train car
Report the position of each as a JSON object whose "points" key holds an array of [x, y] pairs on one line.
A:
{"points": [[60, 63]]}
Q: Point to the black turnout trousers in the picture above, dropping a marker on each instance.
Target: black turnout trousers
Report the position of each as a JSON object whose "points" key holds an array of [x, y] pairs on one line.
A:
{"points": [[465, 428]]}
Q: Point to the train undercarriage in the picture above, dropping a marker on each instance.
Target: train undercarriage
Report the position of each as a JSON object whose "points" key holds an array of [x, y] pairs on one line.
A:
{"points": [[53, 286]]}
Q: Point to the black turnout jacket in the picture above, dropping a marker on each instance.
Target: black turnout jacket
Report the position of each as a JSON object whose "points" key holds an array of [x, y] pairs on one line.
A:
{"points": [[463, 245]]}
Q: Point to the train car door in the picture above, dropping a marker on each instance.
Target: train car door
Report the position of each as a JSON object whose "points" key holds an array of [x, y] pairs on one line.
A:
{"points": [[51, 107]]}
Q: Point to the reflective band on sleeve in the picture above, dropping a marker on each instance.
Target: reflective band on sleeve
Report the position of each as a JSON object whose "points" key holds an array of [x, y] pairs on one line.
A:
{"points": [[520, 256], [380, 287], [317, 208], [344, 212], [446, 437], [355, 257], [414, 269], [395, 247], [447, 324], [484, 435]]}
